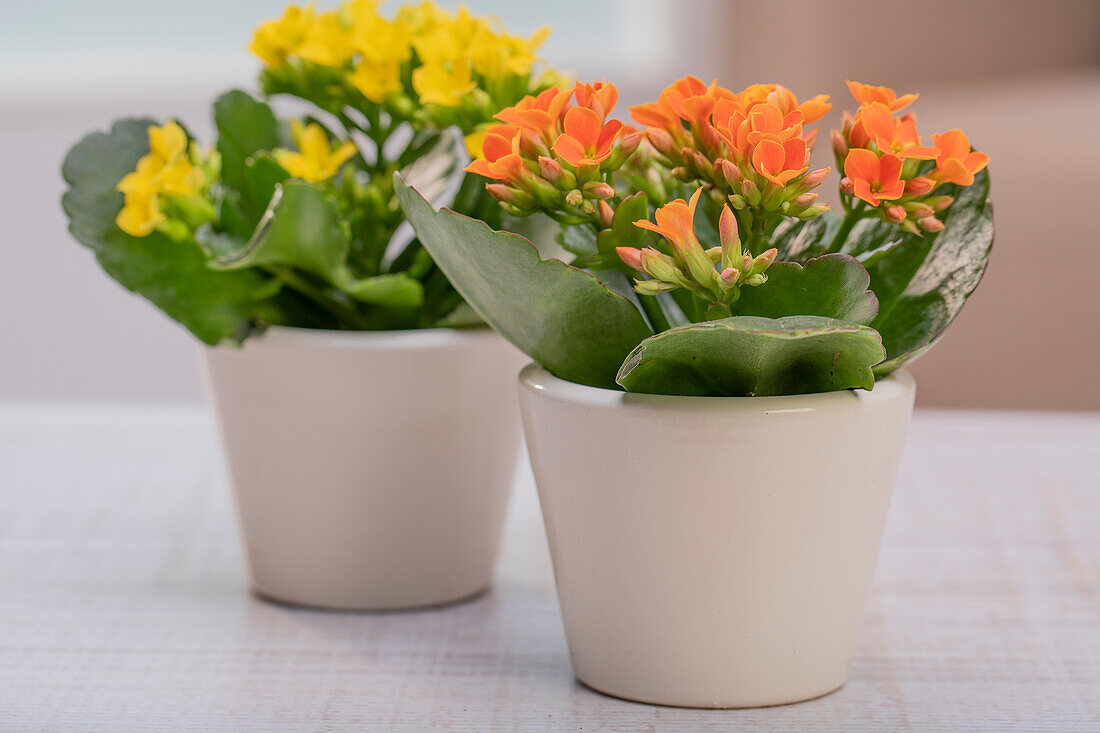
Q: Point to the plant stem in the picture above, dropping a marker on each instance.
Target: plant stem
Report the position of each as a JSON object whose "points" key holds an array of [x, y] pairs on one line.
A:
{"points": [[654, 312], [343, 312], [849, 221]]}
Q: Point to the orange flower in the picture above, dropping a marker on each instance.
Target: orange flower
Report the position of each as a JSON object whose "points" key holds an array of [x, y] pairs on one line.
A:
{"points": [[956, 162], [675, 221], [501, 159], [812, 109], [868, 94], [780, 162], [875, 123], [874, 179], [539, 115], [685, 99], [586, 140], [599, 96]]}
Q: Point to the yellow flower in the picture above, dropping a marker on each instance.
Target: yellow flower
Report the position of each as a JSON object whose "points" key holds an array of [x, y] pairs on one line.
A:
{"points": [[382, 41], [327, 41], [355, 10], [437, 85], [167, 142], [376, 80], [522, 51], [423, 17], [438, 46], [317, 160], [144, 180], [140, 215], [274, 40]]}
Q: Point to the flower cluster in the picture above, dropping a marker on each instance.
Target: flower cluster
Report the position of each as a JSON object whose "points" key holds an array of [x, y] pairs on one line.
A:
{"points": [[167, 184], [316, 159], [887, 167], [715, 274], [450, 61], [750, 146], [557, 152]]}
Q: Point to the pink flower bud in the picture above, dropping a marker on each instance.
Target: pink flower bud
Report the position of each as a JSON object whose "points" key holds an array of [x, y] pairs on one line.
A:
{"points": [[681, 173], [941, 202], [632, 256], [661, 141], [660, 266], [574, 198], [846, 122], [804, 200], [607, 215], [919, 211], [919, 186], [764, 261], [895, 214], [729, 276], [729, 171], [813, 179], [551, 169], [727, 227], [598, 190], [930, 224], [751, 192], [840, 148], [810, 138], [514, 196], [846, 186]]}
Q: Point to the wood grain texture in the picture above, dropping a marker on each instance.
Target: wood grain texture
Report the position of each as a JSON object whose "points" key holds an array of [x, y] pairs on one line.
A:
{"points": [[123, 603]]}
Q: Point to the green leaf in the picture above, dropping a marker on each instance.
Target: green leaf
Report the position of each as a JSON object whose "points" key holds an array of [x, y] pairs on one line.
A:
{"points": [[750, 356], [245, 126], [561, 317], [173, 275], [833, 286], [801, 241], [303, 229], [922, 283]]}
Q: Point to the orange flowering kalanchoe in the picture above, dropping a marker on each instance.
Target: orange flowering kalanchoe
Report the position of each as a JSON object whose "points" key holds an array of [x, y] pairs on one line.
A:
{"points": [[887, 166], [557, 151]]}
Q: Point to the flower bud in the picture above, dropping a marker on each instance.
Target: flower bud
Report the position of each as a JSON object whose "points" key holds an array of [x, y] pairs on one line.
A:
{"points": [[750, 192], [919, 210], [574, 198], [930, 224], [738, 201], [730, 172], [919, 186], [551, 169], [757, 279], [703, 166], [895, 214], [846, 186], [659, 266], [632, 256], [813, 179], [813, 211], [939, 203], [810, 138], [661, 141], [840, 148], [607, 215], [728, 277], [598, 190], [804, 200], [764, 261], [652, 287], [514, 196], [680, 173]]}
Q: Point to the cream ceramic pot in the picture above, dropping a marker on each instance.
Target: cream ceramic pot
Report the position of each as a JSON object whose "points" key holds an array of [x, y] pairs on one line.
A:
{"points": [[713, 552], [371, 470]]}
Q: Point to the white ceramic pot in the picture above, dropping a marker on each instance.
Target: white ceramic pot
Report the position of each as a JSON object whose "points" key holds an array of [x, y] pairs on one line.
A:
{"points": [[371, 470], [713, 552]]}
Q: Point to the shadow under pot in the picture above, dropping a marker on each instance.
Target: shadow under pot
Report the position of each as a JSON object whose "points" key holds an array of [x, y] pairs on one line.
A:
{"points": [[713, 551], [371, 470]]}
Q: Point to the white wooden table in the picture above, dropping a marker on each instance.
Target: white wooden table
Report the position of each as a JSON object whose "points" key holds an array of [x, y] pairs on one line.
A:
{"points": [[123, 603]]}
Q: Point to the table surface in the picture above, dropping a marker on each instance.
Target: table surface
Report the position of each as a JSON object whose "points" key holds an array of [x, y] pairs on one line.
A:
{"points": [[123, 601]]}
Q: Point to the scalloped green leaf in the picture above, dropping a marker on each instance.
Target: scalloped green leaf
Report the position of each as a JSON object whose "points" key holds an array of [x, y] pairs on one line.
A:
{"points": [[748, 356], [303, 229], [833, 286], [173, 275], [562, 317]]}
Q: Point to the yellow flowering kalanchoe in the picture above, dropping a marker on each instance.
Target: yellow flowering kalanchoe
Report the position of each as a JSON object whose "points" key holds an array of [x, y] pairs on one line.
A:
{"points": [[173, 169], [451, 55], [316, 159]]}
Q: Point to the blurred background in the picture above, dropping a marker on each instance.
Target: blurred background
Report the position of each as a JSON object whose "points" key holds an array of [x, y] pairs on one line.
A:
{"points": [[1021, 77]]}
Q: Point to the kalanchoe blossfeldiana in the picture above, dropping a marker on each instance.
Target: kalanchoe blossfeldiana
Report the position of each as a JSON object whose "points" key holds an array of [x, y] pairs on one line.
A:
{"points": [[715, 275], [887, 167]]}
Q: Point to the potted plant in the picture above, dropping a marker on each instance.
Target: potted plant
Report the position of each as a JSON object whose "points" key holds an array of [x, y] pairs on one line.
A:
{"points": [[368, 418], [716, 411]]}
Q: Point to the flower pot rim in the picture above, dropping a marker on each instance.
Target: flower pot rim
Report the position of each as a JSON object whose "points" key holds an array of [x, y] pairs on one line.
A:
{"points": [[535, 378], [411, 338]]}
